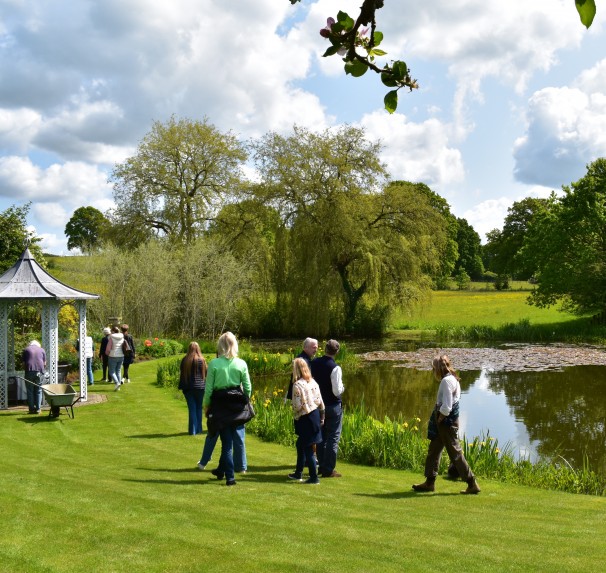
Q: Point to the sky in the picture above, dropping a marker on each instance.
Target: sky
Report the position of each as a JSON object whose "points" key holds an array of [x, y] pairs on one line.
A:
{"points": [[511, 103]]}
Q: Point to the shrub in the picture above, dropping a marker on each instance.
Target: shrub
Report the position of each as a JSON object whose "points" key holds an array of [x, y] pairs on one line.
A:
{"points": [[159, 348]]}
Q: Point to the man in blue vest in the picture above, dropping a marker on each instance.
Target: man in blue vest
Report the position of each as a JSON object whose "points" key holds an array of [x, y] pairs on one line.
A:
{"points": [[329, 378]]}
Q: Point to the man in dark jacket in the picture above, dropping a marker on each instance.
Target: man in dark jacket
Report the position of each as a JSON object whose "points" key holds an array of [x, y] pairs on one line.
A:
{"points": [[329, 378]]}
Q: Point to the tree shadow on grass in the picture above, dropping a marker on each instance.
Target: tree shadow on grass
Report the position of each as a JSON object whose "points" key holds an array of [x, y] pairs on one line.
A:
{"points": [[261, 474], [152, 436], [405, 494]]}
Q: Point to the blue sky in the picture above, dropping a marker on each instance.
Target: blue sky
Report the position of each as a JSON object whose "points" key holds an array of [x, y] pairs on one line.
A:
{"points": [[512, 98]]}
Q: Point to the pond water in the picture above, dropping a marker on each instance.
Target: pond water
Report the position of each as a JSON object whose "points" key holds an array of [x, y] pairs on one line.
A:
{"points": [[549, 413]]}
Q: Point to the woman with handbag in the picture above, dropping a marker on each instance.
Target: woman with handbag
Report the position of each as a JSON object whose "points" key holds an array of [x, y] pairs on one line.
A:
{"points": [[226, 374], [192, 384], [115, 356]]}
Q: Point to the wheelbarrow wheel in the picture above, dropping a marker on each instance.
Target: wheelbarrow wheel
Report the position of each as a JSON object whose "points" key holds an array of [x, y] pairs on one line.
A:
{"points": [[55, 411]]}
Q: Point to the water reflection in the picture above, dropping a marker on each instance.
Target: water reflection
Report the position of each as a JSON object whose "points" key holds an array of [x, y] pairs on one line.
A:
{"points": [[536, 413]]}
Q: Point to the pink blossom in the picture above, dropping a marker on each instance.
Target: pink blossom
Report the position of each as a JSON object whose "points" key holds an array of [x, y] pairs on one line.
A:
{"points": [[325, 32]]}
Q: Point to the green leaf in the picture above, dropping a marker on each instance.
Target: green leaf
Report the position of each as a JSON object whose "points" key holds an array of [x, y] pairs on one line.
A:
{"points": [[586, 10], [391, 101], [400, 69], [375, 52], [331, 51], [337, 28], [388, 80], [345, 20], [377, 37], [356, 68]]}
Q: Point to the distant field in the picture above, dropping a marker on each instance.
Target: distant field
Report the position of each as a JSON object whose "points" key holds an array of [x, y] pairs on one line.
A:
{"points": [[486, 308]]}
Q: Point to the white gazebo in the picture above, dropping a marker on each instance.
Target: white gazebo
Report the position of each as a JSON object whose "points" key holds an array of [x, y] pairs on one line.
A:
{"points": [[27, 280]]}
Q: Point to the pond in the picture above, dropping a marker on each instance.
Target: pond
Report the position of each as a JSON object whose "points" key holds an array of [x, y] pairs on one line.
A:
{"points": [[544, 401]]}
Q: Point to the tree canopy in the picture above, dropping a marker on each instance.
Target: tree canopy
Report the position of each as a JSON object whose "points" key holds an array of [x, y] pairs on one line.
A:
{"points": [[85, 229], [15, 237], [173, 186], [566, 243], [354, 243]]}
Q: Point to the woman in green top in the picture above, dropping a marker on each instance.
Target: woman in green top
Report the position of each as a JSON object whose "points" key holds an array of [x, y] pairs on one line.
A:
{"points": [[226, 371]]}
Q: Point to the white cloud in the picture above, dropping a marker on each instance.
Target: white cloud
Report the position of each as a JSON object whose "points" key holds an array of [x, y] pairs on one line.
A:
{"points": [[415, 151], [488, 215], [70, 184], [17, 128], [566, 131]]}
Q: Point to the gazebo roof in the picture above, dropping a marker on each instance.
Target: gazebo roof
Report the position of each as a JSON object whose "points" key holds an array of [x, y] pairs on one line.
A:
{"points": [[26, 279]]}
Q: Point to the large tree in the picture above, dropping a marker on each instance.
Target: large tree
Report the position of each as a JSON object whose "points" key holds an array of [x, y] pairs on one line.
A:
{"points": [[470, 251], [502, 252], [566, 243], [175, 183], [85, 229], [353, 243], [15, 236]]}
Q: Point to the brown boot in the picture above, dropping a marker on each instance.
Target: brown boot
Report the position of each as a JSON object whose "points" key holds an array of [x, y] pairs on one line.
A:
{"points": [[424, 487], [472, 487]]}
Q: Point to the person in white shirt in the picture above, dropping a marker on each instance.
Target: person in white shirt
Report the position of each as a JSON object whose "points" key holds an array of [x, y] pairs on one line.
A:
{"points": [[329, 377], [443, 430]]}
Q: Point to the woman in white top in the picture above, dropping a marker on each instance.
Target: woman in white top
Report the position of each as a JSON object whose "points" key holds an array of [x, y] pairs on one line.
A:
{"points": [[308, 411], [443, 429], [115, 356]]}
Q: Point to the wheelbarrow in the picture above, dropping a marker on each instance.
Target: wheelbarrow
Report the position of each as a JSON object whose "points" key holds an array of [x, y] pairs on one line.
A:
{"points": [[60, 396], [57, 396]]}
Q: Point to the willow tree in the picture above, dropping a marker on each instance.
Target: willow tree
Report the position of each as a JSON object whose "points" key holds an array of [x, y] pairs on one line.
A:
{"points": [[176, 182], [355, 246]]}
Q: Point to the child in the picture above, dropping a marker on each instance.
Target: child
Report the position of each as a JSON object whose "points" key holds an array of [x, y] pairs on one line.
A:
{"points": [[308, 411], [443, 429]]}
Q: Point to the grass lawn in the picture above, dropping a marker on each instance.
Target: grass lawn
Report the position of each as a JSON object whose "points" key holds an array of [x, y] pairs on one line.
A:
{"points": [[487, 308], [116, 489]]}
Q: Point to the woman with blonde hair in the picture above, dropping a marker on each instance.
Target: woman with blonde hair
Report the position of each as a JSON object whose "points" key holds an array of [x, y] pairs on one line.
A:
{"points": [[192, 383], [226, 372], [443, 429], [308, 411]]}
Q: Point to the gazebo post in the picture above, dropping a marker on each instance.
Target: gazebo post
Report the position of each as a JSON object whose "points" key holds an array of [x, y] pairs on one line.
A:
{"points": [[81, 306], [50, 337], [4, 311]]}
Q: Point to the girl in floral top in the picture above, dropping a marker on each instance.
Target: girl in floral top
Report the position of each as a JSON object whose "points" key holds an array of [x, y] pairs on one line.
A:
{"points": [[308, 411]]}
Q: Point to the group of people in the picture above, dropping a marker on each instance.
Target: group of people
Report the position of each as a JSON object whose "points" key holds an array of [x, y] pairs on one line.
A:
{"points": [[116, 351], [315, 391]]}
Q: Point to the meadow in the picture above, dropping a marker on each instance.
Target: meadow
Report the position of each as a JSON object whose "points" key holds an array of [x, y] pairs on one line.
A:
{"points": [[490, 315], [117, 489]]}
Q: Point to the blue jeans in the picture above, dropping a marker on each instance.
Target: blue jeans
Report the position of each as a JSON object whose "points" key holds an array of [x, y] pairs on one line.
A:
{"points": [[194, 398], [239, 447], [114, 365], [305, 454], [226, 461], [89, 370], [34, 394], [331, 433]]}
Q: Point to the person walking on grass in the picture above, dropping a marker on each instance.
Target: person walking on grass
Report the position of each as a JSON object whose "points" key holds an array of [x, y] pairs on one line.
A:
{"points": [[329, 378], [115, 356], [129, 357], [308, 411], [226, 372], [192, 383], [443, 429], [102, 348]]}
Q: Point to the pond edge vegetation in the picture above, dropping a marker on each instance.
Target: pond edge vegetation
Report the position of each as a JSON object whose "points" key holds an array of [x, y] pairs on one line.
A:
{"points": [[398, 443]]}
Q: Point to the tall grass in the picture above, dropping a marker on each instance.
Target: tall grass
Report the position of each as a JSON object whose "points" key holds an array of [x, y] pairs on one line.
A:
{"points": [[401, 444]]}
